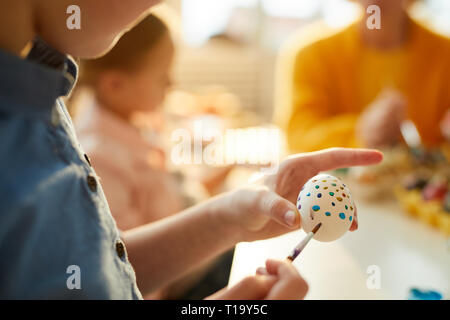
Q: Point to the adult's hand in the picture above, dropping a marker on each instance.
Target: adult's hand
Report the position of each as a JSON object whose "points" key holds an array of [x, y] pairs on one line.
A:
{"points": [[379, 124]]}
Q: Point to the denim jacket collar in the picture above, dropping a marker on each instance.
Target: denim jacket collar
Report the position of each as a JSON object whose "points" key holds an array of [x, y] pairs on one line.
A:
{"points": [[30, 86]]}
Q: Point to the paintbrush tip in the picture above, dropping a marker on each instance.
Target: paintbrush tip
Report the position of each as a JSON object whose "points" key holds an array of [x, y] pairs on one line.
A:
{"points": [[316, 228]]}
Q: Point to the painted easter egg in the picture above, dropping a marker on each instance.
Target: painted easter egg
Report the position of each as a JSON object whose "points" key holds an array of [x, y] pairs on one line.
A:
{"points": [[326, 199]]}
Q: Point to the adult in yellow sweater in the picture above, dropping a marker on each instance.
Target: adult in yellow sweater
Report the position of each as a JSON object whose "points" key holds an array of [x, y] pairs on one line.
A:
{"points": [[353, 87]]}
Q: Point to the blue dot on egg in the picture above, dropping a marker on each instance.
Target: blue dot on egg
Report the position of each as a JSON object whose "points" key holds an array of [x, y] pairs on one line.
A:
{"points": [[333, 204], [327, 214], [317, 187], [308, 194], [316, 208], [319, 195], [342, 215], [299, 206], [350, 218]]}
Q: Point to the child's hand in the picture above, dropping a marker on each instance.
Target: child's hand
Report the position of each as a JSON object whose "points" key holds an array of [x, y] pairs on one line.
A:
{"points": [[279, 280], [268, 210]]}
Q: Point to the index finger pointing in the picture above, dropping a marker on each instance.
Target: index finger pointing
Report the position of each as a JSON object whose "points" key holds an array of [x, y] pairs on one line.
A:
{"points": [[335, 158]]}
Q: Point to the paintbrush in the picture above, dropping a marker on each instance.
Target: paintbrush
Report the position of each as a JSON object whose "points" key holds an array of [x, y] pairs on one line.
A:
{"points": [[410, 134], [299, 248]]}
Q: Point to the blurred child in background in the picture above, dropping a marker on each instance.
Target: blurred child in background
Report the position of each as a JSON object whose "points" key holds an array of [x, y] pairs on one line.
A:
{"points": [[132, 77]]}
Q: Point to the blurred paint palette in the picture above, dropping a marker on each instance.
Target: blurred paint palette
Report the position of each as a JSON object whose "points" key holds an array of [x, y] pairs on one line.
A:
{"points": [[430, 212], [419, 179], [425, 192]]}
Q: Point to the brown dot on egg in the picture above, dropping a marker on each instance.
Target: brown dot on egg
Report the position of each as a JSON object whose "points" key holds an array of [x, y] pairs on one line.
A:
{"points": [[325, 188], [324, 180], [351, 208], [343, 195], [342, 188], [314, 180], [339, 198]]}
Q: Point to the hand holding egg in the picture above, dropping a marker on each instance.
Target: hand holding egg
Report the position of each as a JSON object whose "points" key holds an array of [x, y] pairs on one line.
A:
{"points": [[268, 208], [325, 199]]}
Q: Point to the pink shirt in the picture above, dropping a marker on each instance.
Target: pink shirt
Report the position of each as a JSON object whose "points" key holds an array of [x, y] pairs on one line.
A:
{"points": [[138, 188]]}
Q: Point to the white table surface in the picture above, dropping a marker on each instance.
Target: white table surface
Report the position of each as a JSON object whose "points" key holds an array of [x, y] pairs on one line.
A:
{"points": [[408, 252]]}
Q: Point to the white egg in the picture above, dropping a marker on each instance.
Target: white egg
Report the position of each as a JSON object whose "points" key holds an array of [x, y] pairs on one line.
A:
{"points": [[325, 199]]}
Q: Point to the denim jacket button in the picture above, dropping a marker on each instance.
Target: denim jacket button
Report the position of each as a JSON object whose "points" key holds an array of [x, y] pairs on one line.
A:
{"points": [[92, 183], [120, 249]]}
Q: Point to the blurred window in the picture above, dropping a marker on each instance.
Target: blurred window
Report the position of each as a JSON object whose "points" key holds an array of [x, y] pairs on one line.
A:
{"points": [[205, 18]]}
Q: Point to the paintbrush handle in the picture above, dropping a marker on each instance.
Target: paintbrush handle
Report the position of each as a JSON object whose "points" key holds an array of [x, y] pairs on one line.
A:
{"points": [[299, 248]]}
